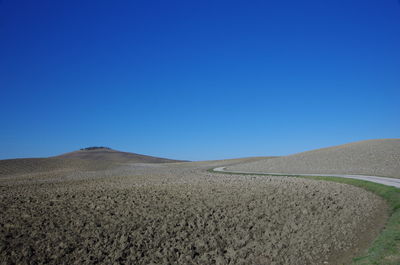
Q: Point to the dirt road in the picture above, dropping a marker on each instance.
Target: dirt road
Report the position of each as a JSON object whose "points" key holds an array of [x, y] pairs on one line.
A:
{"points": [[381, 180]]}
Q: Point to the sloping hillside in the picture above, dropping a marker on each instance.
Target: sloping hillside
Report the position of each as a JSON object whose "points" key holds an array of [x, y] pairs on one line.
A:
{"points": [[107, 154], [87, 159], [35, 165], [372, 157]]}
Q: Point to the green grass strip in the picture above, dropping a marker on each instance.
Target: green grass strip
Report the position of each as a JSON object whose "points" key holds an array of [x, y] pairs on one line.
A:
{"points": [[385, 250]]}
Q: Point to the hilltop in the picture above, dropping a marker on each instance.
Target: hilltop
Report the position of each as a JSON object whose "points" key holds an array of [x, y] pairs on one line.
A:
{"points": [[108, 154], [85, 159]]}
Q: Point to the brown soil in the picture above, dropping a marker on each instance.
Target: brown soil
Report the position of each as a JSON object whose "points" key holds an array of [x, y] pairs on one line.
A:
{"points": [[181, 214], [82, 160], [373, 157], [107, 154], [12, 167]]}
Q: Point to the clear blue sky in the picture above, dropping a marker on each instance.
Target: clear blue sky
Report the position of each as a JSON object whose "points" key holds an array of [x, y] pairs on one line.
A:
{"points": [[197, 79]]}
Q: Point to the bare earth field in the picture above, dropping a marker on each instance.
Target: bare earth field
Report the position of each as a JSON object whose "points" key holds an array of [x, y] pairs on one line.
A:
{"points": [[11, 167], [95, 159], [179, 213], [107, 154], [374, 157]]}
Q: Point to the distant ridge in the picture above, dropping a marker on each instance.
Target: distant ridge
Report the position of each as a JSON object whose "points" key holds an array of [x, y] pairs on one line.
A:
{"points": [[379, 157], [108, 154], [85, 159]]}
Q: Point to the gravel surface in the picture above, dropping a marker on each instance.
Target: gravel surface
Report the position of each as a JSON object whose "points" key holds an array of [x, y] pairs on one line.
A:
{"points": [[181, 214], [373, 157]]}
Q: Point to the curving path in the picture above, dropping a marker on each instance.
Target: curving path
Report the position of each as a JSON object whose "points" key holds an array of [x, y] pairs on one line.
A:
{"points": [[381, 180]]}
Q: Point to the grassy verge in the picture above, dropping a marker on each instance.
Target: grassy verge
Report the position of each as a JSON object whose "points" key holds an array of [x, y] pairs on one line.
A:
{"points": [[385, 250]]}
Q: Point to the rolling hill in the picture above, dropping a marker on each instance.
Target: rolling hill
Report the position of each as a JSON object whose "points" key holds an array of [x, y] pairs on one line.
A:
{"points": [[108, 154], [91, 158], [372, 157]]}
